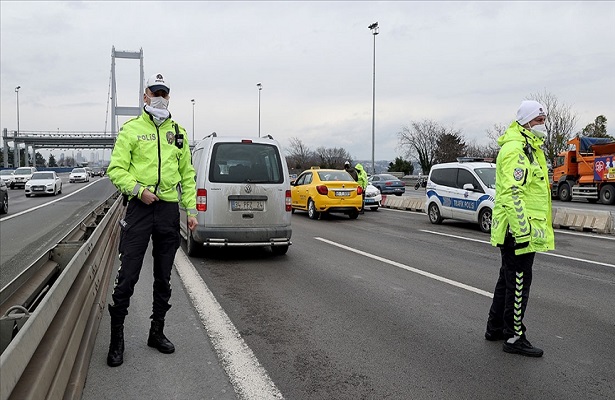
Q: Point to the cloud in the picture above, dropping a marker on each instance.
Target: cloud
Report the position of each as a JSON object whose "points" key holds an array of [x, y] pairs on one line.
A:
{"points": [[462, 64]]}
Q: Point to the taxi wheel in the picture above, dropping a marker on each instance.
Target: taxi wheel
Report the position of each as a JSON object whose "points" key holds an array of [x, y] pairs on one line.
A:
{"points": [[353, 214], [484, 220], [312, 213], [434, 214]]}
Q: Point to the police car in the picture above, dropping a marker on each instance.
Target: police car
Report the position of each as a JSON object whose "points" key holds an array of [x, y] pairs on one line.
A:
{"points": [[462, 190]]}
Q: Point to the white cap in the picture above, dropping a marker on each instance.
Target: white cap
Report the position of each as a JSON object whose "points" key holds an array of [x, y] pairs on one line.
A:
{"points": [[528, 110], [158, 82]]}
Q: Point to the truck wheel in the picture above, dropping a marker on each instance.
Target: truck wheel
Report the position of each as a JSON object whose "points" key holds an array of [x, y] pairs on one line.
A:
{"points": [[607, 194], [564, 192]]}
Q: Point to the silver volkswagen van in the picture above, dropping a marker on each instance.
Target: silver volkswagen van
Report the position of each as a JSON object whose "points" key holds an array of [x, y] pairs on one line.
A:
{"points": [[243, 195]]}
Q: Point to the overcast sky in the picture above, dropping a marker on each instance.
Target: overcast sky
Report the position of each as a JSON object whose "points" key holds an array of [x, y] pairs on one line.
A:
{"points": [[465, 65]]}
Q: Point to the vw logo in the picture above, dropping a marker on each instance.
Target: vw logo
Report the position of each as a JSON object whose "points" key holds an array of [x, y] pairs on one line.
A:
{"points": [[248, 188]]}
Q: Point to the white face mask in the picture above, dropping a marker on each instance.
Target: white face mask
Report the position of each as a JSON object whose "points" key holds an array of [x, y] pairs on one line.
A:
{"points": [[158, 102], [539, 130]]}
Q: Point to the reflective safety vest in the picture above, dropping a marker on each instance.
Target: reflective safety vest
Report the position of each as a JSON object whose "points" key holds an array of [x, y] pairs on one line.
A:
{"points": [[522, 193], [149, 156]]}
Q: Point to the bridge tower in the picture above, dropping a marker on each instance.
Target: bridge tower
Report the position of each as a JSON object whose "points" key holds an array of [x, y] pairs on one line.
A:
{"points": [[123, 110]]}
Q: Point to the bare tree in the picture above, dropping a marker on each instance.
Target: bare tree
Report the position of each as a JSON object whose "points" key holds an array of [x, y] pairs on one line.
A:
{"points": [[299, 156], [560, 124], [490, 149], [419, 140], [332, 157]]}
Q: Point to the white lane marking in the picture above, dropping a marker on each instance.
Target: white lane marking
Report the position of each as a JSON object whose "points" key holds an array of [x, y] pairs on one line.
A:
{"points": [[546, 254], [48, 204], [566, 232], [606, 237], [403, 211], [248, 377], [411, 269]]}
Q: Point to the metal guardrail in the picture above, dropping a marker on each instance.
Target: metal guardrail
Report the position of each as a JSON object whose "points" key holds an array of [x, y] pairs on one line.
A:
{"points": [[61, 298]]}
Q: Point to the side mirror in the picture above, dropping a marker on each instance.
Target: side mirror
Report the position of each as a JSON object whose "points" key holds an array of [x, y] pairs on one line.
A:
{"points": [[468, 186]]}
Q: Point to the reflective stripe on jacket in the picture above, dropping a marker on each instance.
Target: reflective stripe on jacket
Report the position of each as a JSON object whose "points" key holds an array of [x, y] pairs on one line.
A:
{"points": [[522, 192], [145, 156]]}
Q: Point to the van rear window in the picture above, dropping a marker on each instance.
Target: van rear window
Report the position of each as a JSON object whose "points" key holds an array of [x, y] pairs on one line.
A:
{"points": [[245, 162]]}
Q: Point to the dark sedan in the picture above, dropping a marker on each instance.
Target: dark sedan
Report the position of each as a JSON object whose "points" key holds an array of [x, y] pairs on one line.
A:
{"points": [[4, 197], [388, 184]]}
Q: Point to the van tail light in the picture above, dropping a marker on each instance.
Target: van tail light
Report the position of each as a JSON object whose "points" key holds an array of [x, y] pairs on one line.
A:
{"points": [[201, 199], [289, 205], [359, 190], [322, 189]]}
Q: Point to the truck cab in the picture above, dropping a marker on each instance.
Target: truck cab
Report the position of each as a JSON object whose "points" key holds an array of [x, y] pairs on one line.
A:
{"points": [[586, 170]]}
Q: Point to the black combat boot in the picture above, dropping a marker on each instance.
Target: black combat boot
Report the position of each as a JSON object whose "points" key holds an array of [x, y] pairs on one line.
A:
{"points": [[157, 339], [116, 348]]}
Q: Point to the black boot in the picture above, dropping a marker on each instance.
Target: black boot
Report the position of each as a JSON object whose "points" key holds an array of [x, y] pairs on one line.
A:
{"points": [[116, 347], [158, 340]]}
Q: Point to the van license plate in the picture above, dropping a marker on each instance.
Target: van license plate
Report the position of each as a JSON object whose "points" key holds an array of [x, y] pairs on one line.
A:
{"points": [[239, 205], [342, 193]]}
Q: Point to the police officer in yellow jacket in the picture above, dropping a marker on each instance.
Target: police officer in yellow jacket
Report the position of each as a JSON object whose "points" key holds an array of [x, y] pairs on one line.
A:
{"points": [[362, 179], [152, 168], [521, 224]]}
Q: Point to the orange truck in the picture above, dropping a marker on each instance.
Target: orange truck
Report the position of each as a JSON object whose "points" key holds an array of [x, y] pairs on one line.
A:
{"points": [[585, 172]]}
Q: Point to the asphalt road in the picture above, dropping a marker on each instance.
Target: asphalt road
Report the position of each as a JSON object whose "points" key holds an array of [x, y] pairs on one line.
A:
{"points": [[331, 321], [35, 224], [387, 306]]}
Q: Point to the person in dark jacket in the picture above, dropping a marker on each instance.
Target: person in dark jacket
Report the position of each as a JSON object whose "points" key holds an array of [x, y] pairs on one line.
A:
{"points": [[351, 170]]}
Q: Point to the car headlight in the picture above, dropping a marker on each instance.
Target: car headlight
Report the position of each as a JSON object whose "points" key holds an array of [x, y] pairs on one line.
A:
{"points": [[49, 185]]}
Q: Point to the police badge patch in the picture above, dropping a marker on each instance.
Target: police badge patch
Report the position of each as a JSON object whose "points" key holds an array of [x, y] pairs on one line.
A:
{"points": [[170, 137], [518, 174]]}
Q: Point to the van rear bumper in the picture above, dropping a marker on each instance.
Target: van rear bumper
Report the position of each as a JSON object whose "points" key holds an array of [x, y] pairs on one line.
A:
{"points": [[276, 236]]}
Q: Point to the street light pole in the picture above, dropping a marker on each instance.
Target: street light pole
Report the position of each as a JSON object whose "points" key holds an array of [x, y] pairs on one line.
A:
{"points": [[193, 143], [260, 87], [17, 91], [374, 28]]}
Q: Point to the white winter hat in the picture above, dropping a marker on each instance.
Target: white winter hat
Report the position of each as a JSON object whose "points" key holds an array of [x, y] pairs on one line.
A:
{"points": [[528, 110], [158, 82]]}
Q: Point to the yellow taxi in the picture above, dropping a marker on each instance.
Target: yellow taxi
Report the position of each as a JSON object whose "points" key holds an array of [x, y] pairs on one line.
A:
{"points": [[326, 191]]}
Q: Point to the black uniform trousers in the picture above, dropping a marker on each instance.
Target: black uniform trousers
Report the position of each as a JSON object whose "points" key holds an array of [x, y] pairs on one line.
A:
{"points": [[160, 222], [512, 292]]}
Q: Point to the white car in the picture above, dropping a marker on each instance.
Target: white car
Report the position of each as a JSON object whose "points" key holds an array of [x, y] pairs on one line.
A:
{"points": [[7, 176], [463, 190], [21, 176], [79, 175], [373, 197], [45, 182]]}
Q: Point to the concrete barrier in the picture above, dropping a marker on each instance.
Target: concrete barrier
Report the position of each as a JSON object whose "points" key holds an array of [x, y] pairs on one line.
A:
{"points": [[597, 221], [404, 203], [583, 220]]}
